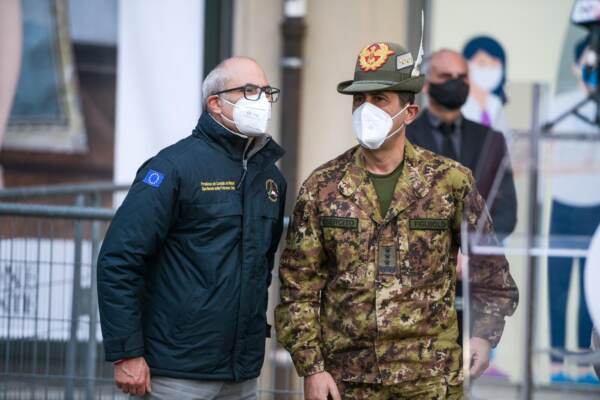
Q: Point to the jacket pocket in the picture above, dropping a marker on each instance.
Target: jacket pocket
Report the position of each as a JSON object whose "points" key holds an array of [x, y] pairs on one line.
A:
{"points": [[428, 251], [346, 240], [192, 306], [212, 229], [267, 226], [207, 211]]}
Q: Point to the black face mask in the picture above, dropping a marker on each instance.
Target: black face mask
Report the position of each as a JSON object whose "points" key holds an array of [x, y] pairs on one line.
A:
{"points": [[451, 94]]}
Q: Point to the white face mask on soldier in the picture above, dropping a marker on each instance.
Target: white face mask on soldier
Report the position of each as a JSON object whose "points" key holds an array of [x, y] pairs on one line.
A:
{"points": [[251, 117], [372, 125]]}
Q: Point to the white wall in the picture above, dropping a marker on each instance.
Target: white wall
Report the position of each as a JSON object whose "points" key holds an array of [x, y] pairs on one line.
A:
{"points": [[159, 78], [531, 31], [336, 32], [257, 34]]}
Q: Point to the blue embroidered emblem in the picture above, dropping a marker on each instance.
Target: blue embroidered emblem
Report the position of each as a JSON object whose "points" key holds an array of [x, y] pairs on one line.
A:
{"points": [[154, 178]]}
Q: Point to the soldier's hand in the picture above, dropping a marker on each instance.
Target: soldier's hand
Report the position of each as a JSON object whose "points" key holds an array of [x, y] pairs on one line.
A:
{"points": [[460, 259], [480, 356], [320, 386], [132, 376]]}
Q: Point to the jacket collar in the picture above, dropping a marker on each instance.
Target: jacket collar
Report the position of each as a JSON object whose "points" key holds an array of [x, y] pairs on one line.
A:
{"points": [[435, 122], [411, 185], [234, 146]]}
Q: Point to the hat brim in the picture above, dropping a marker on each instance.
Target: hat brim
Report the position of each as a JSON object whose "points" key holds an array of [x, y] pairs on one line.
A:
{"points": [[413, 84]]}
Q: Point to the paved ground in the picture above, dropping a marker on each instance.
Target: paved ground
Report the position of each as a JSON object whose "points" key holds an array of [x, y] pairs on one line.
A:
{"points": [[490, 390]]}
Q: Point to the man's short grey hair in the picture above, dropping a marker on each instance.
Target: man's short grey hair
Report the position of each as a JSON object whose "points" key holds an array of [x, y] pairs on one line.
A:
{"points": [[215, 81]]}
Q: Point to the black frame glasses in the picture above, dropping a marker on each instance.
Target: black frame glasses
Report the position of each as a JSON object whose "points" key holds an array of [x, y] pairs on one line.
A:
{"points": [[253, 92]]}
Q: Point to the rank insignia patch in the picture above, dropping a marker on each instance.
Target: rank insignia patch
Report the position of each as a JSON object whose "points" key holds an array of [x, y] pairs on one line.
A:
{"points": [[386, 258]]}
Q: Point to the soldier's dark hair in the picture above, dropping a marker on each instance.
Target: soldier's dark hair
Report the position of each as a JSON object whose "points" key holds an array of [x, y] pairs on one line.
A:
{"points": [[406, 97]]}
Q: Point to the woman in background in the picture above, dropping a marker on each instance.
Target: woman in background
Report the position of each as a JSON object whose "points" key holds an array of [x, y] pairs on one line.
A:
{"points": [[487, 76]]}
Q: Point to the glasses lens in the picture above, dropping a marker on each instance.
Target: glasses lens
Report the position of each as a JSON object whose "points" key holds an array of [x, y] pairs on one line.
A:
{"points": [[272, 94], [252, 92]]}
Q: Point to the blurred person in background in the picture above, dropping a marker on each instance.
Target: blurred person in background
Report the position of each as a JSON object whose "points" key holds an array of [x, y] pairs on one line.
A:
{"points": [[368, 272], [443, 129], [184, 269], [575, 191], [487, 76]]}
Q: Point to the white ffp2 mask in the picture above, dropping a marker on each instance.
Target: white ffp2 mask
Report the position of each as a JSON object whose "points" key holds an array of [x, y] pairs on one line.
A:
{"points": [[251, 117], [372, 125]]}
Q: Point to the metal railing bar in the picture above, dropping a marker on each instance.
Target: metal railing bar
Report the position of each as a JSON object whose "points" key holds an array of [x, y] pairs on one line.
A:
{"points": [[93, 306], [29, 192], [56, 377], [57, 212]]}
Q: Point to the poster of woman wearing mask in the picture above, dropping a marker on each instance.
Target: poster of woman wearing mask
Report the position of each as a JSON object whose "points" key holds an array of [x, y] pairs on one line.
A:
{"points": [[487, 76]]}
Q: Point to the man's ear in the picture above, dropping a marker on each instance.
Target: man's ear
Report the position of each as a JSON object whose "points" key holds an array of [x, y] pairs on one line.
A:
{"points": [[426, 87], [213, 105], [411, 114]]}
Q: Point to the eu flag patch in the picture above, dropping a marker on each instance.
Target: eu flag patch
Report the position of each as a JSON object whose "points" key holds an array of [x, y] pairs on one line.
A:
{"points": [[154, 178]]}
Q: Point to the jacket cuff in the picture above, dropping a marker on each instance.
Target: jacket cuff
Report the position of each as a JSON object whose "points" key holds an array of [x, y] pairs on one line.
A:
{"points": [[488, 327], [122, 347], [308, 361]]}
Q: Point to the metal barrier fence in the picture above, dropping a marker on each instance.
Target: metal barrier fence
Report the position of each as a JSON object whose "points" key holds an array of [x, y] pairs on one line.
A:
{"points": [[50, 337], [49, 331]]}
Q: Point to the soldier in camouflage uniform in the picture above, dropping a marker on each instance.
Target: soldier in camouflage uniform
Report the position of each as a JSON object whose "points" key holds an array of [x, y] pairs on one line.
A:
{"points": [[368, 275]]}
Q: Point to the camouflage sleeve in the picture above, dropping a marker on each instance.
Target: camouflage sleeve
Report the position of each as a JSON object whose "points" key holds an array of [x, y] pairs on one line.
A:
{"points": [[494, 294], [302, 277]]}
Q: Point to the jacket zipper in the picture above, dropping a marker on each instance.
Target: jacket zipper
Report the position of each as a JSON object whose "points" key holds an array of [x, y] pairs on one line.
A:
{"points": [[240, 187], [244, 164]]}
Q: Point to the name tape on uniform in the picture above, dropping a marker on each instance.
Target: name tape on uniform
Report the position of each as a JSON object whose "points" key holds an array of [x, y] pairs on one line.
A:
{"points": [[339, 222], [428, 224]]}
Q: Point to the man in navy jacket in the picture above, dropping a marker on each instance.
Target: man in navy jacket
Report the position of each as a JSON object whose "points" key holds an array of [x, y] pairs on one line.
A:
{"points": [[185, 266]]}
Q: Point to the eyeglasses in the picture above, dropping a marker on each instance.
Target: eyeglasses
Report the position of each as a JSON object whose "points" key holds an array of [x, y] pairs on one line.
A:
{"points": [[253, 92]]}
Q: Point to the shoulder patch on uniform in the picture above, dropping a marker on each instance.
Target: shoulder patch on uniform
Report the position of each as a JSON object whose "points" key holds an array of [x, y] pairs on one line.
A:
{"points": [[339, 222], [428, 224], [154, 178]]}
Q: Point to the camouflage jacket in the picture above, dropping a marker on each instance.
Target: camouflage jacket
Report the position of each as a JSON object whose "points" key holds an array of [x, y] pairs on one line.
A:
{"points": [[370, 298]]}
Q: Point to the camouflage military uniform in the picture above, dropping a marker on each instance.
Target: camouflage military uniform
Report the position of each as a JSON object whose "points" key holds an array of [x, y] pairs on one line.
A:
{"points": [[370, 298]]}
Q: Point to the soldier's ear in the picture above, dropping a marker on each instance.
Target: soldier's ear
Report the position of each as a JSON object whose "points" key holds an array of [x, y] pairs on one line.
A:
{"points": [[411, 113]]}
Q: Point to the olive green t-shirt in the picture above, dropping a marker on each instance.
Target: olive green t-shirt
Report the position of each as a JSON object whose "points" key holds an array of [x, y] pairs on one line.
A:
{"points": [[384, 186]]}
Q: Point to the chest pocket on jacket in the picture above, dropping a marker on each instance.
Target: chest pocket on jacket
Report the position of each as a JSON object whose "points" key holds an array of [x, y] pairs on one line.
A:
{"points": [[428, 249], [267, 221], [213, 220], [347, 242]]}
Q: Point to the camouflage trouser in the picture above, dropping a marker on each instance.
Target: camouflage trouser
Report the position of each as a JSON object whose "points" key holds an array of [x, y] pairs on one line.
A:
{"points": [[422, 389]]}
